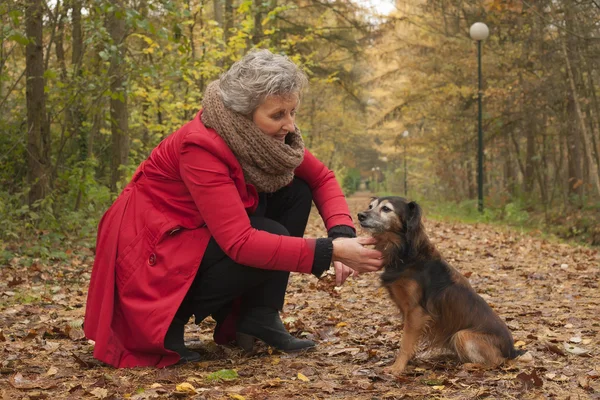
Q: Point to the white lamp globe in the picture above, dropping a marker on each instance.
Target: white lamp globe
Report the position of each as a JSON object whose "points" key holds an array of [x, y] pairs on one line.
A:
{"points": [[479, 31]]}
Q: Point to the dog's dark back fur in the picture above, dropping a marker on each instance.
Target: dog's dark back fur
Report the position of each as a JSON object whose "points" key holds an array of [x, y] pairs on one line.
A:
{"points": [[445, 294]]}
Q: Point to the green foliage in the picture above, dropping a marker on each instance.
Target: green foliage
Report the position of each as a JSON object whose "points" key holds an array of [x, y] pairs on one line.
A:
{"points": [[351, 181], [171, 51]]}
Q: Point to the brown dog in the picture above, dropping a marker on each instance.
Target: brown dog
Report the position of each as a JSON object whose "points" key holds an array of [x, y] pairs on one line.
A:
{"points": [[437, 302]]}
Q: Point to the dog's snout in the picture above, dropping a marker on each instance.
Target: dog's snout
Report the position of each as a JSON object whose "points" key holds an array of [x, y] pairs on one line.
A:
{"points": [[362, 216]]}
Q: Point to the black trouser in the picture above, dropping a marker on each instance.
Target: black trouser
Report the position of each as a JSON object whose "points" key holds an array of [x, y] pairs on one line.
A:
{"points": [[220, 280]]}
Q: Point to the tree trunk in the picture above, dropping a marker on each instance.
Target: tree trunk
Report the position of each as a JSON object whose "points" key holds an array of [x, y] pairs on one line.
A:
{"points": [[530, 153], [77, 115], [59, 45], [118, 100], [257, 31], [228, 21], [587, 143], [218, 12], [38, 136]]}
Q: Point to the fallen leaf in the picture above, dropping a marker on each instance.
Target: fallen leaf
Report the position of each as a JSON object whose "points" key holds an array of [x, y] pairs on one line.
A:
{"points": [[99, 393], [2, 338], [222, 375], [52, 371], [433, 382], [341, 325], [74, 333], [351, 350], [530, 380], [554, 348], [79, 361], [303, 377], [31, 334], [584, 382], [579, 351], [525, 358], [271, 383], [51, 347], [185, 387], [325, 386], [519, 343], [594, 374], [575, 339], [439, 387], [20, 382], [17, 280], [237, 396]]}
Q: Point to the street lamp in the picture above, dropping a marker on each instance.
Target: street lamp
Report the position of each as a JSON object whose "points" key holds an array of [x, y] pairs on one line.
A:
{"points": [[479, 32], [405, 136]]}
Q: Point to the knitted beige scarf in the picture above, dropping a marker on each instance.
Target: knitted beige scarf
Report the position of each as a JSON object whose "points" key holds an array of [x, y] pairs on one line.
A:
{"points": [[268, 164]]}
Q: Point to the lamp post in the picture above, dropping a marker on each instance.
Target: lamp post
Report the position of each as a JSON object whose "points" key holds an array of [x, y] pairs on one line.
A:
{"points": [[479, 32], [405, 136], [375, 171]]}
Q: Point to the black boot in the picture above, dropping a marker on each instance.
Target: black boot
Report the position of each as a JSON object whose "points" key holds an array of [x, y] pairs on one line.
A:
{"points": [[174, 341], [265, 324]]}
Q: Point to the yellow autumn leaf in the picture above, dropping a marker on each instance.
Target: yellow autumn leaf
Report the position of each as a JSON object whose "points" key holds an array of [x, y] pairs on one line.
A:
{"points": [[237, 397], [303, 377], [440, 387], [52, 371], [185, 387], [341, 324], [519, 343]]}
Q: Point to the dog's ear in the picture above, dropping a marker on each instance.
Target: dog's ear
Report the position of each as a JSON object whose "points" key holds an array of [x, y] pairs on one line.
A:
{"points": [[413, 219], [414, 232]]}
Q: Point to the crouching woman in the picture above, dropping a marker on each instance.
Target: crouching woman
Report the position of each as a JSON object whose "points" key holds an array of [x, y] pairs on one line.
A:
{"points": [[212, 223]]}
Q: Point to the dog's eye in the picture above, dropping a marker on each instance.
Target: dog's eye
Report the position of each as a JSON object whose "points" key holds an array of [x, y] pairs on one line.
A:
{"points": [[370, 206], [386, 209]]}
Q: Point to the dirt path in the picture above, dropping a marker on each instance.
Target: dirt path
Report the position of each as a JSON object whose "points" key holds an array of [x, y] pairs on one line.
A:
{"points": [[547, 292]]}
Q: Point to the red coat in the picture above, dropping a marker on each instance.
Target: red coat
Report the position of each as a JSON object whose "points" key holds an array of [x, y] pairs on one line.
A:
{"points": [[151, 240]]}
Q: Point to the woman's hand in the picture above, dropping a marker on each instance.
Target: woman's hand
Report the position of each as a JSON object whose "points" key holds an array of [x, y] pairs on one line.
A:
{"points": [[350, 252], [342, 272]]}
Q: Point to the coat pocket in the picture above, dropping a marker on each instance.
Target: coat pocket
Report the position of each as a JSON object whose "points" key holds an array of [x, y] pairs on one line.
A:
{"points": [[139, 252]]}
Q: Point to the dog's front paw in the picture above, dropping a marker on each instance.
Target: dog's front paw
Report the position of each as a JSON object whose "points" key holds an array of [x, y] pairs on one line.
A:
{"points": [[395, 370]]}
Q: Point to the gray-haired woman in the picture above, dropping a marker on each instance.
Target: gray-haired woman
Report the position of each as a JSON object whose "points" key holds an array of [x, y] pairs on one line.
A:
{"points": [[212, 224]]}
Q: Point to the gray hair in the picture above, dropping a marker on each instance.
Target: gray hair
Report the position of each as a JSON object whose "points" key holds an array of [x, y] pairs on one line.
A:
{"points": [[257, 75]]}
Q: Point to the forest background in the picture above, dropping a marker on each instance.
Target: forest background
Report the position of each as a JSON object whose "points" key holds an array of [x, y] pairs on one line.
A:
{"points": [[89, 87]]}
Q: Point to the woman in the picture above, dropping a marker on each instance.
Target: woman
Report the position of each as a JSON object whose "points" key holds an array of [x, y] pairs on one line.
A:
{"points": [[212, 224]]}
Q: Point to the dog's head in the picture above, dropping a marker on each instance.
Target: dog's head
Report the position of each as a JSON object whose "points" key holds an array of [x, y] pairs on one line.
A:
{"points": [[390, 214], [396, 222]]}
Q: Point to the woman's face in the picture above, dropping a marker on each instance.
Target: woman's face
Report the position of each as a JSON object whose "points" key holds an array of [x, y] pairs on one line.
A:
{"points": [[275, 116]]}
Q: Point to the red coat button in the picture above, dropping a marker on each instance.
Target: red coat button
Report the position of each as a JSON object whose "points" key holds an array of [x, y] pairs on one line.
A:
{"points": [[152, 259]]}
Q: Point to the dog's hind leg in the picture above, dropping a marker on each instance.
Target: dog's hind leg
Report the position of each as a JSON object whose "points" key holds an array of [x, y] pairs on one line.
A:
{"points": [[415, 322], [476, 347]]}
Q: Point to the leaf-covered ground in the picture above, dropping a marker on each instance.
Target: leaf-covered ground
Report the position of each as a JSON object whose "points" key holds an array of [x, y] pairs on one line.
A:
{"points": [[546, 291]]}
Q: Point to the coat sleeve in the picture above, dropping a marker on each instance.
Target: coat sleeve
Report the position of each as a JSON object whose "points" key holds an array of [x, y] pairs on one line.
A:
{"points": [[327, 193], [207, 177]]}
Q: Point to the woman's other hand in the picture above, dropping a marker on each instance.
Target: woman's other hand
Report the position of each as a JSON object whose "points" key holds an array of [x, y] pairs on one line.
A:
{"points": [[342, 272], [352, 253]]}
